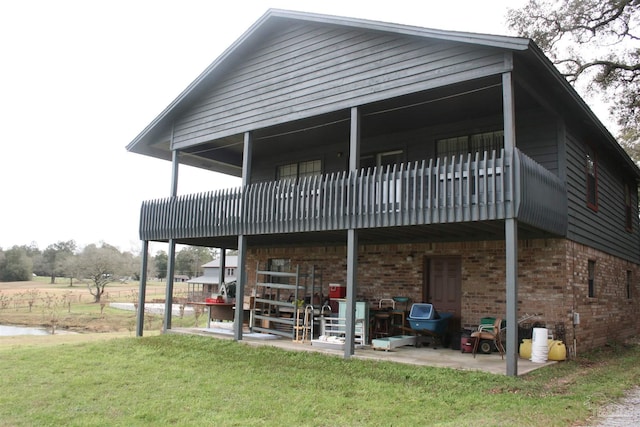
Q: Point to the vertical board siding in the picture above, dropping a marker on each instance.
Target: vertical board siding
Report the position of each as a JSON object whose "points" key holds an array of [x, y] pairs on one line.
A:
{"points": [[458, 189], [310, 70], [534, 187], [605, 228]]}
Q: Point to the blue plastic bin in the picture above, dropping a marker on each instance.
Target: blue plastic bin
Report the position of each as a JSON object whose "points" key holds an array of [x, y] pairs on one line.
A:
{"points": [[420, 311]]}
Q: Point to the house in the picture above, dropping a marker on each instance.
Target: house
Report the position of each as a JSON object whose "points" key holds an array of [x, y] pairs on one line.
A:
{"points": [[453, 168], [213, 275]]}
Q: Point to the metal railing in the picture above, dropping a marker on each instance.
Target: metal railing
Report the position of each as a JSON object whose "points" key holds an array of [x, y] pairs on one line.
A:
{"points": [[459, 189]]}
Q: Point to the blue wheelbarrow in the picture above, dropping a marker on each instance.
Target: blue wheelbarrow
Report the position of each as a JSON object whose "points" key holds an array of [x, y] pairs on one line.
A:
{"points": [[427, 323]]}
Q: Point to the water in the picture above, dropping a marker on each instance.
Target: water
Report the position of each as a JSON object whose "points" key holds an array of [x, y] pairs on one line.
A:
{"points": [[7, 331]]}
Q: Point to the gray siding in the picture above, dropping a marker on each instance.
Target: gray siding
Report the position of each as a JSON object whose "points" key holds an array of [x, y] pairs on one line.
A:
{"points": [[536, 137], [310, 70], [604, 229]]}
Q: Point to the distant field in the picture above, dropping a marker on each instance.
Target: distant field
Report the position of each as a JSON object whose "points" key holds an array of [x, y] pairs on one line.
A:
{"points": [[72, 308]]}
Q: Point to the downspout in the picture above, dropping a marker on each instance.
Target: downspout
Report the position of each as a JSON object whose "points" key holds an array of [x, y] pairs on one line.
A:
{"points": [[352, 239], [241, 278]]}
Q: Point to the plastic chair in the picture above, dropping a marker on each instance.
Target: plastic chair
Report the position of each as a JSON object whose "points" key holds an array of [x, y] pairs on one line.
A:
{"points": [[487, 332]]}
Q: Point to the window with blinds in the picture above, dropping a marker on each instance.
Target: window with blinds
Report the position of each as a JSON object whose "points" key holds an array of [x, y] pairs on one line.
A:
{"points": [[479, 142], [299, 170]]}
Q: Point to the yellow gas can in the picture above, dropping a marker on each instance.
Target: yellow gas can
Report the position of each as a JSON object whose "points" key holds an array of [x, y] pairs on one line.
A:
{"points": [[525, 349], [557, 350]]}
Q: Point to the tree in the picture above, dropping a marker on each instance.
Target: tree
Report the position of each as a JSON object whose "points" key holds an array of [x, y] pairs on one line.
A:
{"points": [[161, 260], [55, 256], [190, 259], [15, 265], [595, 42], [100, 266]]}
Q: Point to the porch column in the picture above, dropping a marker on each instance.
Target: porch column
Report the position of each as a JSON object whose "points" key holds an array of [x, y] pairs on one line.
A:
{"points": [[352, 267], [352, 241], [168, 306], [143, 289], [511, 223], [223, 265], [241, 278], [175, 162], [168, 298]]}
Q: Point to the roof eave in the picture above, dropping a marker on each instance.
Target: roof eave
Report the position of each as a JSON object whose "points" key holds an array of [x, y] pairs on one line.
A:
{"points": [[172, 109], [584, 107]]}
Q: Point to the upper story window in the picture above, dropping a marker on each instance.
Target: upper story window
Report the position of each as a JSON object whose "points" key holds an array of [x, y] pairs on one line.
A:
{"points": [[592, 178], [478, 142], [628, 208], [385, 158], [300, 169]]}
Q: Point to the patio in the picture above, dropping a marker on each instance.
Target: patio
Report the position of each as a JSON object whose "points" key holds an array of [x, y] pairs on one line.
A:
{"points": [[423, 356]]}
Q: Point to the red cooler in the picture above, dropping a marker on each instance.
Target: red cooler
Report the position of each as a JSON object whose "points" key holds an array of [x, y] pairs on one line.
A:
{"points": [[337, 290]]}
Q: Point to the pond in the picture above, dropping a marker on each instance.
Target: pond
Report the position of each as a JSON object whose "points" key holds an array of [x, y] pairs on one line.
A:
{"points": [[7, 331]]}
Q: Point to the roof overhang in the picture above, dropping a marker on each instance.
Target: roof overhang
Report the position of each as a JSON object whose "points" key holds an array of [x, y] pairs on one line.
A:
{"points": [[155, 139]]}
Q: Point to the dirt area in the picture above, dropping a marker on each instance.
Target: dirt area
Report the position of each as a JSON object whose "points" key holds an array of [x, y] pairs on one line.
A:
{"points": [[62, 286], [626, 412]]}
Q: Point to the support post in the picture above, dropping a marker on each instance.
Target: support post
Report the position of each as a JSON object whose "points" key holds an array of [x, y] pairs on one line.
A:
{"points": [[223, 266], [352, 268], [241, 278], [511, 222], [352, 242], [511, 237], [175, 162], [143, 289], [168, 302]]}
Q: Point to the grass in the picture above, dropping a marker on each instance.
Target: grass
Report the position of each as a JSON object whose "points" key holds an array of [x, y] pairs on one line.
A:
{"points": [[192, 380], [86, 379]]}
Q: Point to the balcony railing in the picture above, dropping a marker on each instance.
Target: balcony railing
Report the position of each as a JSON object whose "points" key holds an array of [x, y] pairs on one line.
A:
{"points": [[460, 189]]}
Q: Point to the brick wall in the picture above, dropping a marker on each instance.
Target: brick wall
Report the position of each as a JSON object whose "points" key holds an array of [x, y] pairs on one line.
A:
{"points": [[609, 316], [552, 281]]}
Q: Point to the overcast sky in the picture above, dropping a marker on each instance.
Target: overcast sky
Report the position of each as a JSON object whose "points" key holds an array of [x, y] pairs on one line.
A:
{"points": [[80, 79]]}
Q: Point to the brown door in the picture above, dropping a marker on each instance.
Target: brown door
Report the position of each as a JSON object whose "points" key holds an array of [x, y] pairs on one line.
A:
{"points": [[443, 286]]}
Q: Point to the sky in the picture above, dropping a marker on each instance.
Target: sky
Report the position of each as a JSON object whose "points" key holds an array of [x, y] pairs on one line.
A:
{"points": [[80, 80]]}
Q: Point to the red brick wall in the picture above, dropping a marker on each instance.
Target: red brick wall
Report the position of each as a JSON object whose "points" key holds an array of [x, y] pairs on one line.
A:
{"points": [[552, 281], [609, 316]]}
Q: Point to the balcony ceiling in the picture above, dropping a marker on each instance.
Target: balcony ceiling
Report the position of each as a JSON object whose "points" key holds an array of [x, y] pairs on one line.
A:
{"points": [[475, 99]]}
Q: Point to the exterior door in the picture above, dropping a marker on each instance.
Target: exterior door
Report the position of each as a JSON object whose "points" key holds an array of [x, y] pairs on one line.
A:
{"points": [[443, 287]]}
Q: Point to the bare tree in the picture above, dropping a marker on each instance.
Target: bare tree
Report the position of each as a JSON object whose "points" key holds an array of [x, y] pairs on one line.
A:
{"points": [[594, 41], [100, 266]]}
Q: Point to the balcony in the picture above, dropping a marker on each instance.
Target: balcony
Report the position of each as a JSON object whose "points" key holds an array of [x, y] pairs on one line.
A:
{"points": [[457, 190]]}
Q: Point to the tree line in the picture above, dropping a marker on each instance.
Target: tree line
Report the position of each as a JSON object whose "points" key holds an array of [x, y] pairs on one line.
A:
{"points": [[95, 265]]}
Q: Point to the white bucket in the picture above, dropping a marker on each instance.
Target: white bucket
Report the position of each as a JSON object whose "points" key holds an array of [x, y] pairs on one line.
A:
{"points": [[539, 345]]}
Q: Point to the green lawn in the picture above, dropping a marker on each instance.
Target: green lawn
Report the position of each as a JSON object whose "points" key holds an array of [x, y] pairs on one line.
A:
{"points": [[192, 380]]}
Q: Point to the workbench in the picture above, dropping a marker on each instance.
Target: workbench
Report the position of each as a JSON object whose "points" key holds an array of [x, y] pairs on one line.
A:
{"points": [[218, 310]]}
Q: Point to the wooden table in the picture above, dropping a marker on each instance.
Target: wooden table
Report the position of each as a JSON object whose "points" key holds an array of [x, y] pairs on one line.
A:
{"points": [[218, 310]]}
